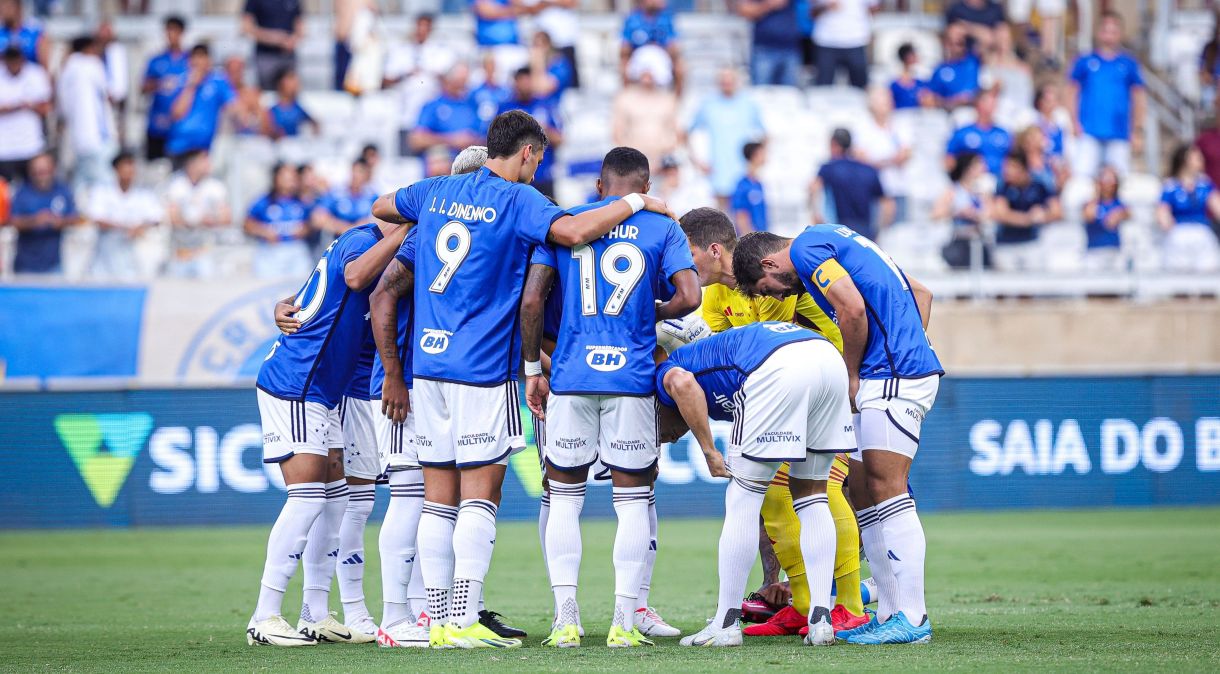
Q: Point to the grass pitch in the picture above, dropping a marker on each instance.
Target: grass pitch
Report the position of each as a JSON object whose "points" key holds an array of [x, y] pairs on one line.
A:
{"points": [[1090, 590]]}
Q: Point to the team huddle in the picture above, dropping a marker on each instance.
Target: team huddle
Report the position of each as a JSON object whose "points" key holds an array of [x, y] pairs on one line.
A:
{"points": [[400, 362]]}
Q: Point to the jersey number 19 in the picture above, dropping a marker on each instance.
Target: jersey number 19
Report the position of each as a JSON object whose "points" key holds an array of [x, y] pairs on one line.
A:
{"points": [[622, 265]]}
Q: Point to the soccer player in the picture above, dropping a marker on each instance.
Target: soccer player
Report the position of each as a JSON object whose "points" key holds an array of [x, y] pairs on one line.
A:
{"points": [[785, 390], [895, 374], [601, 373], [475, 234], [301, 381], [712, 242]]}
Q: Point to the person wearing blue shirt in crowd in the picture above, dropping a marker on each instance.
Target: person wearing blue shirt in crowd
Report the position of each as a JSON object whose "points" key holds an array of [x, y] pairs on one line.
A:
{"points": [[451, 119], [26, 35], [1189, 206], [907, 90], [731, 119], [1046, 103], [495, 22], [287, 116], [163, 79], [748, 205], [344, 207], [489, 94], [1022, 206], [1102, 216], [197, 107], [547, 113], [1109, 101], [846, 190], [955, 82], [651, 23], [42, 207], [982, 137], [280, 223], [561, 73], [775, 47]]}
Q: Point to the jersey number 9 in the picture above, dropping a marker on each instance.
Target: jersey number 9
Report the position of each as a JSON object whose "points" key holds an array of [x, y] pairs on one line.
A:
{"points": [[457, 234], [624, 280]]}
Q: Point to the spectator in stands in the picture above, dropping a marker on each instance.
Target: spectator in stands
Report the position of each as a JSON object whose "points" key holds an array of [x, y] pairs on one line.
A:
{"points": [[644, 114], [847, 191], [495, 23], [681, 194], [1050, 25], [651, 23], [348, 206], [981, 19], [83, 99], [198, 107], [1108, 101], [543, 109], [114, 60], [1209, 65], [731, 119], [489, 94], [553, 70], [982, 136], [26, 35], [842, 31], [1010, 76], [246, 115], [277, 27], [287, 116], [197, 205], [1102, 216], [279, 222], [1208, 143], [955, 82], [1033, 144], [1021, 207], [451, 119], [437, 161], [355, 27], [164, 77], [775, 45], [559, 21], [1047, 104], [962, 204], [234, 69], [25, 101], [42, 207], [124, 214], [749, 203], [415, 68], [886, 147], [907, 90], [1189, 205]]}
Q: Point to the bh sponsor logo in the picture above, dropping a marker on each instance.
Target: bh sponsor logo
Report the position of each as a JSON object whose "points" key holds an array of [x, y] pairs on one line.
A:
{"points": [[606, 358], [435, 341]]}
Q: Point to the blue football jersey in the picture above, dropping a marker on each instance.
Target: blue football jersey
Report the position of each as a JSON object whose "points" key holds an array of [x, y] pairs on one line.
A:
{"points": [[475, 235], [607, 333], [317, 362], [897, 345], [406, 320], [722, 362]]}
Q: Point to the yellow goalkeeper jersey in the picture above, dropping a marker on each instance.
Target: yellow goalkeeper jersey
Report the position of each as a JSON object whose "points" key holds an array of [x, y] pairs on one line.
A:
{"points": [[724, 308]]}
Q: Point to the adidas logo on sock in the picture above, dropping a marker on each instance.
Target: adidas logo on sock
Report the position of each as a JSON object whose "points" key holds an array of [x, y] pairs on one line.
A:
{"points": [[891, 555], [354, 559]]}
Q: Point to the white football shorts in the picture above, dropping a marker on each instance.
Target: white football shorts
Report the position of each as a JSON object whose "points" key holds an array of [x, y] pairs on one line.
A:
{"points": [[793, 408], [292, 427], [395, 441], [892, 413], [619, 430], [466, 426], [360, 456]]}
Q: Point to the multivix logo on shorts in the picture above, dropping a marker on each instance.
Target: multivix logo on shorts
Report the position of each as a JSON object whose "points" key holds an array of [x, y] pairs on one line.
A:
{"points": [[122, 436]]}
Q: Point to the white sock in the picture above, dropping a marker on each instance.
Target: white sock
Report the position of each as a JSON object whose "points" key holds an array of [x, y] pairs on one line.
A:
{"points": [[906, 548], [738, 546], [650, 557], [544, 516], [396, 546], [435, 544], [318, 560], [350, 568], [818, 544], [417, 596], [474, 539], [631, 543], [286, 544], [878, 563], [564, 547]]}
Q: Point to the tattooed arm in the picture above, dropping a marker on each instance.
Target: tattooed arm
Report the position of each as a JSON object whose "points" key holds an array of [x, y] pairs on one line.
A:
{"points": [[396, 282], [533, 300]]}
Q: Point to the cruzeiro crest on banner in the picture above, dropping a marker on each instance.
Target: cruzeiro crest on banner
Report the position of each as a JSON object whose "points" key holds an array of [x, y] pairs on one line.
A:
{"points": [[121, 435]]}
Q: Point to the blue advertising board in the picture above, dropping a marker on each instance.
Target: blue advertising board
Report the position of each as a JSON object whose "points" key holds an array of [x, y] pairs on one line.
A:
{"points": [[193, 456]]}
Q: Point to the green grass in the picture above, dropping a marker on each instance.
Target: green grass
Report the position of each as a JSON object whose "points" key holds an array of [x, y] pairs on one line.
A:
{"points": [[1093, 590]]}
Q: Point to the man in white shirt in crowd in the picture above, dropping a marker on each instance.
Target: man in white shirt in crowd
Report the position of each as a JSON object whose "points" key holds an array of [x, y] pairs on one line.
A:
{"points": [[842, 30], [84, 105], [197, 206], [414, 67], [127, 218], [25, 99]]}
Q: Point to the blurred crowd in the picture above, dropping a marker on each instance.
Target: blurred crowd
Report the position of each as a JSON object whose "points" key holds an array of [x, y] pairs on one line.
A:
{"points": [[1029, 119]]}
